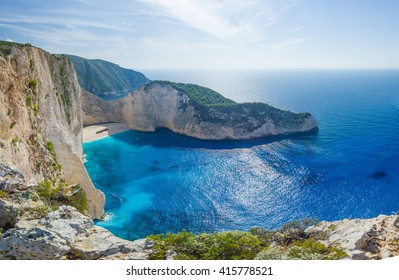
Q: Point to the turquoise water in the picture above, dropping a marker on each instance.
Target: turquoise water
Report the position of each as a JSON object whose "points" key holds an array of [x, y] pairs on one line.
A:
{"points": [[163, 182]]}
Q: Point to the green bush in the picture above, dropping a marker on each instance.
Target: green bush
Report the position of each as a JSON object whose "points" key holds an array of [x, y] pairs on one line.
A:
{"points": [[159, 248], [271, 253], [51, 149], [311, 249], [79, 201], [185, 242], [14, 141], [5, 47], [46, 191], [200, 95], [53, 196], [35, 110], [257, 243], [233, 245], [32, 84], [28, 100], [293, 231], [65, 99], [31, 65], [265, 236], [3, 194], [39, 212]]}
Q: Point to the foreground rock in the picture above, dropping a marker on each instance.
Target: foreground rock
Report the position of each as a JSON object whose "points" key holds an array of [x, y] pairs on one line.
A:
{"points": [[67, 234], [364, 239], [8, 214], [10, 179]]}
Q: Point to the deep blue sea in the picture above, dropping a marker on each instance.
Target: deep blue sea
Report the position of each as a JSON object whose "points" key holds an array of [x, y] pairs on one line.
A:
{"points": [[163, 182]]}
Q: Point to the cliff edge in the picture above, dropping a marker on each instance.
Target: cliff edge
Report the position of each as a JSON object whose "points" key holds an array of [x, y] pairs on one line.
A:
{"points": [[41, 122]]}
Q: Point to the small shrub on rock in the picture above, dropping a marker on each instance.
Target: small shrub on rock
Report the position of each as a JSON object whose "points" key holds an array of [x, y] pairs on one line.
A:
{"points": [[311, 249], [271, 253]]}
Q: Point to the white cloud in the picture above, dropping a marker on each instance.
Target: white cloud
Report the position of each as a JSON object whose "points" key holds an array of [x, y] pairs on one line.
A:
{"points": [[201, 15], [162, 33], [9, 40], [287, 44], [61, 20], [230, 20]]}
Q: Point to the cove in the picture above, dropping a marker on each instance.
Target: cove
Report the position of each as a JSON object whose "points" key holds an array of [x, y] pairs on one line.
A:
{"points": [[164, 182]]}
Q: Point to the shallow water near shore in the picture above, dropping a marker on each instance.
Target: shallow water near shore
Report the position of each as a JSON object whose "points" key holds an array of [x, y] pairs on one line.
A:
{"points": [[163, 182]]}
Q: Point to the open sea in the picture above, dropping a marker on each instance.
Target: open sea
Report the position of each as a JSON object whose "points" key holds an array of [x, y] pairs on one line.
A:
{"points": [[163, 182]]}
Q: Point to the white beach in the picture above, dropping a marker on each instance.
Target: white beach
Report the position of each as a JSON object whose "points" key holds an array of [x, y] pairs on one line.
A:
{"points": [[98, 131]]}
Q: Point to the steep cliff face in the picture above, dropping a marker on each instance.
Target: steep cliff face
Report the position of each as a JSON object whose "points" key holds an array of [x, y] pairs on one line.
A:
{"points": [[106, 79], [160, 104], [41, 120], [97, 110]]}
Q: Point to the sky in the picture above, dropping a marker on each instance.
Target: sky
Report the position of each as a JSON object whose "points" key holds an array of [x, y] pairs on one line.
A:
{"points": [[211, 34]]}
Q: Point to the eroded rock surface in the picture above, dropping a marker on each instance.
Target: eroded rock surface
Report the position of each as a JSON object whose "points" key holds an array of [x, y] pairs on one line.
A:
{"points": [[66, 233], [160, 105], [364, 239]]}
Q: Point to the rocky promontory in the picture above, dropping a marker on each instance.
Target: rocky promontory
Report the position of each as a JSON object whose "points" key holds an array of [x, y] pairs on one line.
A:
{"points": [[194, 111]]}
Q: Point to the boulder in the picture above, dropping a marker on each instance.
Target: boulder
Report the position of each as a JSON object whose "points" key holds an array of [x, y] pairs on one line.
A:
{"points": [[67, 223], [33, 244], [66, 233], [100, 243], [10, 179], [8, 214]]}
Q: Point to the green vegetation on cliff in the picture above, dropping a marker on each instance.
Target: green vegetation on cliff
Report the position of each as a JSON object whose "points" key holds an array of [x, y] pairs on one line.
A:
{"points": [[233, 245], [215, 108], [292, 241], [2, 194], [54, 194], [201, 95], [6, 46], [253, 115], [51, 149], [14, 141], [103, 78]]}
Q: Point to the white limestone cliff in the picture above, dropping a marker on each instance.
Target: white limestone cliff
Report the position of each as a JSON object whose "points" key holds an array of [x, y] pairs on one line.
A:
{"points": [[40, 103], [159, 105], [67, 234]]}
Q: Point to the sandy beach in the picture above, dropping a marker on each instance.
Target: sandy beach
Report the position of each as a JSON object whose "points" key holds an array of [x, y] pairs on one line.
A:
{"points": [[98, 131]]}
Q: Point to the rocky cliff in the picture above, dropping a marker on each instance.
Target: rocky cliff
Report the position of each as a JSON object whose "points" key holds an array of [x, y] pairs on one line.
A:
{"points": [[67, 234], [41, 122], [106, 79], [179, 107], [364, 239]]}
